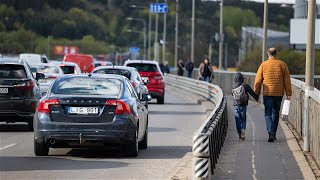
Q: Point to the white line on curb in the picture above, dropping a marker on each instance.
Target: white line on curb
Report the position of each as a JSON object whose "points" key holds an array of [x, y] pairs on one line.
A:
{"points": [[5, 147]]}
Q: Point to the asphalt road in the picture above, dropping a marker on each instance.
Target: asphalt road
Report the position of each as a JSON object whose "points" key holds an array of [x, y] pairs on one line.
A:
{"points": [[171, 127]]}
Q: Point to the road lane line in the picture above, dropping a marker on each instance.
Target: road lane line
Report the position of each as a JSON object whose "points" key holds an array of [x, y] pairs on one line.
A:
{"points": [[5, 147]]}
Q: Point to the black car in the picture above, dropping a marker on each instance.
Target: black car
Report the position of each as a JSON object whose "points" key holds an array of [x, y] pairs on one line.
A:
{"points": [[81, 111], [129, 72], [19, 92]]}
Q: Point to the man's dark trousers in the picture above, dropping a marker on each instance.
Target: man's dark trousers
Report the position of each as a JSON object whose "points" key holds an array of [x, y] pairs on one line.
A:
{"points": [[272, 105]]}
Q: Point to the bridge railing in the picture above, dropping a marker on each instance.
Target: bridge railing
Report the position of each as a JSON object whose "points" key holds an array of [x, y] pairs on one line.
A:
{"points": [[208, 140]]}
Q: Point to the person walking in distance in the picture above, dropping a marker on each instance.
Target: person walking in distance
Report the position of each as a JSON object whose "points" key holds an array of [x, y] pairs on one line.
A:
{"points": [[206, 71], [189, 68], [274, 75], [240, 93], [180, 68]]}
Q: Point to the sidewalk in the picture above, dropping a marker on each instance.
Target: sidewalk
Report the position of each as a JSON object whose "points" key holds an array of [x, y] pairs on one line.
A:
{"points": [[255, 158]]}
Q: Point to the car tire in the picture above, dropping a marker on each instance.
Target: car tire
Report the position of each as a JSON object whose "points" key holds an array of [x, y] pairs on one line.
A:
{"points": [[160, 100], [133, 148], [41, 149], [144, 143]]}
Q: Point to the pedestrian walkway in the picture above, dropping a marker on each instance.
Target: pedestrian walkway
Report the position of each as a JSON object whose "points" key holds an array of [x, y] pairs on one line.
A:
{"points": [[255, 158]]}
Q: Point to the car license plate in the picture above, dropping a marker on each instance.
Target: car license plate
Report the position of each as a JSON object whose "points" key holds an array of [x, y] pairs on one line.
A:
{"points": [[4, 90], [83, 110]]}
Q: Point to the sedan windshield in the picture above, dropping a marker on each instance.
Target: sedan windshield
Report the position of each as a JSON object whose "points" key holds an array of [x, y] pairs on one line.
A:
{"points": [[88, 86]]}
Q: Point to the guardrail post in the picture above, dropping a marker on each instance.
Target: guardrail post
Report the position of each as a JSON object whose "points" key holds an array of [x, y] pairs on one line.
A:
{"points": [[201, 156]]}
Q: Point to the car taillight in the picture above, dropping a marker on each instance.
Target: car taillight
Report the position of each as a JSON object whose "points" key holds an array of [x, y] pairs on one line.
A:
{"points": [[44, 105], [121, 107], [24, 86], [133, 84]]}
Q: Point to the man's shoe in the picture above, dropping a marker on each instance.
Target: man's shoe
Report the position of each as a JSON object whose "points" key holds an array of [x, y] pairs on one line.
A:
{"points": [[275, 138], [243, 134], [271, 139]]}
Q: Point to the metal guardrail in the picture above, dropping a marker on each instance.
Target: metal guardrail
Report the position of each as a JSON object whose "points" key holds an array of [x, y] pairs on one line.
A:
{"points": [[208, 140]]}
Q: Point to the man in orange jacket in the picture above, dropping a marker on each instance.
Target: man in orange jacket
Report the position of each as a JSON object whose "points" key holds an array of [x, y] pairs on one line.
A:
{"points": [[274, 75]]}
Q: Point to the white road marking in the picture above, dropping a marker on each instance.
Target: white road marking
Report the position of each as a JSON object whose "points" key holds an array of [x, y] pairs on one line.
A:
{"points": [[253, 143], [5, 147]]}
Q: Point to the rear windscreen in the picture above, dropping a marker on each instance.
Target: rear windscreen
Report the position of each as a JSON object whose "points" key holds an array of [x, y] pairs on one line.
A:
{"points": [[122, 72], [45, 69], [67, 69], [87, 86], [144, 67], [12, 71]]}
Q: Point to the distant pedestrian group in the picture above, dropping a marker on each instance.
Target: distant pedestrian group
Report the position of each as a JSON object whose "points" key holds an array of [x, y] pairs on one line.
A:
{"points": [[205, 72], [273, 75]]}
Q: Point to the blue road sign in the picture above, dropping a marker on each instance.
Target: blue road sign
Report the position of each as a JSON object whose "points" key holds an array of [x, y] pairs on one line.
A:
{"points": [[134, 50], [159, 8]]}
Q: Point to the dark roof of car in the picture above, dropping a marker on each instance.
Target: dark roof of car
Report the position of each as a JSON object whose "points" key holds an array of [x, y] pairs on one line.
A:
{"points": [[115, 67]]}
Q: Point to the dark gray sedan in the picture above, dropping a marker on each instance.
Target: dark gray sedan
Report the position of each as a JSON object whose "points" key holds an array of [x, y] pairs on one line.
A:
{"points": [[81, 111]]}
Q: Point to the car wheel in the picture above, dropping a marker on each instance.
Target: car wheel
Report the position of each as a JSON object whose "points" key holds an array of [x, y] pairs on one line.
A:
{"points": [[144, 143], [160, 100], [132, 148], [40, 148]]}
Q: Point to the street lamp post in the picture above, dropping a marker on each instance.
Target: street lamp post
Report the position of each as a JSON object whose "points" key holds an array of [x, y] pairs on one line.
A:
{"points": [[144, 34], [310, 59], [149, 28], [177, 35], [192, 30], [156, 43], [164, 36], [265, 30]]}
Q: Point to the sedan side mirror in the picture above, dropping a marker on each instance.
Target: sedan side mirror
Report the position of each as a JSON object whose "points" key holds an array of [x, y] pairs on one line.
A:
{"points": [[146, 97], [145, 81], [39, 76]]}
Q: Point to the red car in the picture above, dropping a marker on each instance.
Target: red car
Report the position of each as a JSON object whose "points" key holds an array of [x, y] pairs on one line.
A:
{"points": [[85, 62], [150, 70]]}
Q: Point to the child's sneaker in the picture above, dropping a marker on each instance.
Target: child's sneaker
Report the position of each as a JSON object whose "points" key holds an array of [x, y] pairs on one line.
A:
{"points": [[243, 134]]}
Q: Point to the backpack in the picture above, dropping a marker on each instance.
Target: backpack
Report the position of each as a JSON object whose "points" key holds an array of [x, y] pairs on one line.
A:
{"points": [[240, 95]]}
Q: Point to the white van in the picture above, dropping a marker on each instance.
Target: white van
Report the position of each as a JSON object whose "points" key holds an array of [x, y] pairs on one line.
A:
{"points": [[34, 58]]}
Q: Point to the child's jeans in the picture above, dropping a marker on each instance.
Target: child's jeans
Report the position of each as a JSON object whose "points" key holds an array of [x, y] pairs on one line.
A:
{"points": [[240, 113]]}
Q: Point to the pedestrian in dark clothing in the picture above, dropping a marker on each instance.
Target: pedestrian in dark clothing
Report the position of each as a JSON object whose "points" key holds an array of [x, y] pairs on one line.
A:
{"points": [[206, 71], [240, 93], [180, 68], [189, 68], [166, 68], [161, 67]]}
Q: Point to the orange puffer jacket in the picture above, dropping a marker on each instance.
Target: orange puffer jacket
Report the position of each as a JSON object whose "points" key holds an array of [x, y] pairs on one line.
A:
{"points": [[274, 75]]}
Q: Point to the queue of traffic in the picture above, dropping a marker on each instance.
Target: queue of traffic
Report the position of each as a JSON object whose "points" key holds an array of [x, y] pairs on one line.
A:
{"points": [[74, 104]]}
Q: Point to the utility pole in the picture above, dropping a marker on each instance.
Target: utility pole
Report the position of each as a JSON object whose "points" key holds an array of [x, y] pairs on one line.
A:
{"points": [[265, 30], [48, 51], [156, 43], [309, 82], [177, 36], [192, 30], [149, 34], [164, 36], [221, 39]]}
